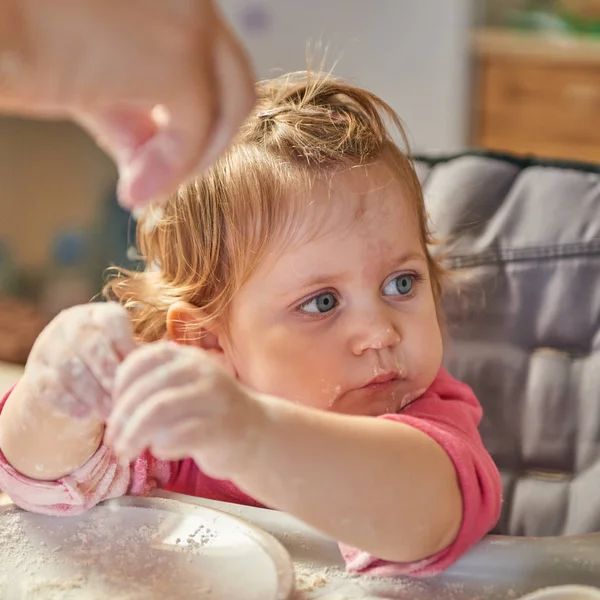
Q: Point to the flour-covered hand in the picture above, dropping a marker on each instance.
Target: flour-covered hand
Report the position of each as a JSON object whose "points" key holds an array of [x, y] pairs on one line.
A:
{"points": [[178, 402], [72, 366]]}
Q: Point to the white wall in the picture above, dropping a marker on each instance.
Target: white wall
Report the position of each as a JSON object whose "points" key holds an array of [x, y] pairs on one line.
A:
{"points": [[413, 53]]}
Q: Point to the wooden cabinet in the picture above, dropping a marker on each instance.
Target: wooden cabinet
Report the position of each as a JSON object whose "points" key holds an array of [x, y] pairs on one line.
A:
{"points": [[537, 95]]}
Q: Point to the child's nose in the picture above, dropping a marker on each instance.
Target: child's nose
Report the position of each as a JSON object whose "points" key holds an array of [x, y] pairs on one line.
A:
{"points": [[376, 333]]}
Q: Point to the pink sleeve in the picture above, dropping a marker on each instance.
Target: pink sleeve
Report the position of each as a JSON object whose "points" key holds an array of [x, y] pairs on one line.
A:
{"points": [[450, 414], [99, 479]]}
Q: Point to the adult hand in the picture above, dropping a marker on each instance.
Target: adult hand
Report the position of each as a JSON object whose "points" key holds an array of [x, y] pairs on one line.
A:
{"points": [[161, 86]]}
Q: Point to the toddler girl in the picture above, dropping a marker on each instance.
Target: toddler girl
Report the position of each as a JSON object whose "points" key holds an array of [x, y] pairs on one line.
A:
{"points": [[282, 348]]}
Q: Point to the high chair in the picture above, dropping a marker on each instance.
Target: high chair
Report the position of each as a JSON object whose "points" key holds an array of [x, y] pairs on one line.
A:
{"points": [[521, 239]]}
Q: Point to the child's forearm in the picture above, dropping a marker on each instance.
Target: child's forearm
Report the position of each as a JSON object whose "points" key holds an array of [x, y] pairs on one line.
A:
{"points": [[41, 444], [380, 486]]}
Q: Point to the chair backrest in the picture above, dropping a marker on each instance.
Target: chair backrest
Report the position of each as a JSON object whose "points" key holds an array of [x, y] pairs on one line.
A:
{"points": [[524, 332]]}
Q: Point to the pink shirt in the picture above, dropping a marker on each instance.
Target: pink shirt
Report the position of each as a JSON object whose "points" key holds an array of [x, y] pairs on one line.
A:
{"points": [[448, 412]]}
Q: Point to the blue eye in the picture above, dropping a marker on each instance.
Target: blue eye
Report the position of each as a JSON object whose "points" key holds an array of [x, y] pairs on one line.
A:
{"points": [[323, 303], [400, 286]]}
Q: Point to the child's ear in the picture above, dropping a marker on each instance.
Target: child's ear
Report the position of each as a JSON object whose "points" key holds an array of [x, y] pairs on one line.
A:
{"points": [[187, 324]]}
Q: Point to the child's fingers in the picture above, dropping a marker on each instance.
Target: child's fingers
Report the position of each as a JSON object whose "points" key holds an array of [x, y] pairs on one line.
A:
{"points": [[99, 356], [158, 413], [150, 358], [138, 393], [148, 384], [175, 443], [97, 334], [77, 377], [146, 371], [114, 322], [154, 420], [50, 388]]}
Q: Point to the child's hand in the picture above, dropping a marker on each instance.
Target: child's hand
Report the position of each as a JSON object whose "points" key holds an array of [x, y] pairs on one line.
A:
{"points": [[179, 402], [72, 365]]}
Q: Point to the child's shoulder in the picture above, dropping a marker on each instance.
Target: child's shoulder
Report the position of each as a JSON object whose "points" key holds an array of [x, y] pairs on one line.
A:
{"points": [[447, 387], [449, 400]]}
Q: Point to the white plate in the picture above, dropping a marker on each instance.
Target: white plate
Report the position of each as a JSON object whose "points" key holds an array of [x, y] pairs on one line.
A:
{"points": [[140, 548], [566, 592]]}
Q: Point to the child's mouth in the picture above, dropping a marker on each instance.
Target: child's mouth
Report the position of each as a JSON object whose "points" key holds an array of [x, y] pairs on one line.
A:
{"points": [[382, 381]]}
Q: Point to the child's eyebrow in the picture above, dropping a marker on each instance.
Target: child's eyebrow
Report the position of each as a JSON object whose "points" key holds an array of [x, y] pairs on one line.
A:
{"points": [[406, 257], [324, 279]]}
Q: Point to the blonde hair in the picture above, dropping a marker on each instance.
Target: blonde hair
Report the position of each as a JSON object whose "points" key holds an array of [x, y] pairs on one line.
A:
{"points": [[208, 238]]}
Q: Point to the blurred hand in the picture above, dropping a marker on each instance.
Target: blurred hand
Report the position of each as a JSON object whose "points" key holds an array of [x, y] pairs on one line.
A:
{"points": [[162, 86], [72, 366], [178, 402]]}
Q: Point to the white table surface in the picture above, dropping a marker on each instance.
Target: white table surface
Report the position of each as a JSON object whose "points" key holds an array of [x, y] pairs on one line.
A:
{"points": [[497, 569]]}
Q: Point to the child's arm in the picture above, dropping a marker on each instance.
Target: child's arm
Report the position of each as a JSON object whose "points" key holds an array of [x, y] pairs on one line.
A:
{"points": [[53, 421], [381, 486], [41, 443], [100, 478], [52, 460], [398, 490], [401, 499]]}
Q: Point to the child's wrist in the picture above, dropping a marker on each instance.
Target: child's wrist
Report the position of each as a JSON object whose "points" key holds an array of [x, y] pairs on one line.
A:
{"points": [[236, 445], [256, 428], [262, 420]]}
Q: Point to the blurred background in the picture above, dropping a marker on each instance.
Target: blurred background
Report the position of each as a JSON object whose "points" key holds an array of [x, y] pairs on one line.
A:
{"points": [[519, 76]]}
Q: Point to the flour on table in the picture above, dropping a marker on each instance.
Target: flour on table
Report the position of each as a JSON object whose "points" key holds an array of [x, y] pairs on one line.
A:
{"points": [[123, 565]]}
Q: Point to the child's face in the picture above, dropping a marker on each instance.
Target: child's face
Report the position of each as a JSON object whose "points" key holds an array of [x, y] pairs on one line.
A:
{"points": [[319, 320]]}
